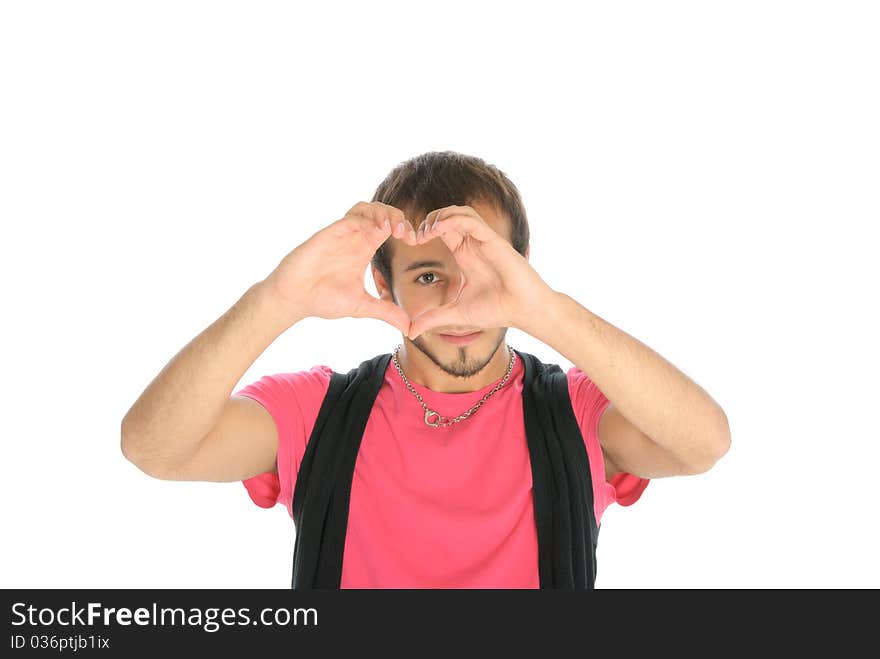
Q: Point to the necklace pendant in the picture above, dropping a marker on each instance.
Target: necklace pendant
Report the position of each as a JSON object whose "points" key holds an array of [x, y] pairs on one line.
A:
{"points": [[428, 414]]}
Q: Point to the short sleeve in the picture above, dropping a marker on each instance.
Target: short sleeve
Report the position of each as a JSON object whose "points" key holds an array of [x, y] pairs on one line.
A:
{"points": [[588, 403], [293, 400]]}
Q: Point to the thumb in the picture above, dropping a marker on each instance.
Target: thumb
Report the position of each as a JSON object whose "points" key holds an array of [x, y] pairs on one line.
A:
{"points": [[372, 307], [436, 317]]}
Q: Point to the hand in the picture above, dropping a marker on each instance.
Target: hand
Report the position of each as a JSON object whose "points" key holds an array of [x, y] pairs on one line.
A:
{"points": [[324, 276], [499, 288]]}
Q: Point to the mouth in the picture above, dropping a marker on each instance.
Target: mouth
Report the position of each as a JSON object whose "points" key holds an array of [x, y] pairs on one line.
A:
{"points": [[461, 339]]}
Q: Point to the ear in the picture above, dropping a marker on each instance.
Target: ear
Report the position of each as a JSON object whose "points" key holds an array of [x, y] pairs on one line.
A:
{"points": [[381, 285], [528, 249]]}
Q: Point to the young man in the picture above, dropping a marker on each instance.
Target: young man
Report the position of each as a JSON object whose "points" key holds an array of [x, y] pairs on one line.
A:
{"points": [[454, 461]]}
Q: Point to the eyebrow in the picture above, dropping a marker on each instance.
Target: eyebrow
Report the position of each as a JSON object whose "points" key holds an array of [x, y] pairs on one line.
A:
{"points": [[415, 265]]}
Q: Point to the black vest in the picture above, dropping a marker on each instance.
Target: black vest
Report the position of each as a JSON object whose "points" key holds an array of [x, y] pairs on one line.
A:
{"points": [[561, 481]]}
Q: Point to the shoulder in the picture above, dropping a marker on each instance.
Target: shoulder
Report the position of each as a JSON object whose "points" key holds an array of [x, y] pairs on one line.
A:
{"points": [[589, 405], [587, 399], [306, 383], [594, 410]]}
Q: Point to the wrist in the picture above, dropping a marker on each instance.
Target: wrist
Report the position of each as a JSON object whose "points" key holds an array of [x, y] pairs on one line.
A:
{"points": [[543, 318], [272, 307]]}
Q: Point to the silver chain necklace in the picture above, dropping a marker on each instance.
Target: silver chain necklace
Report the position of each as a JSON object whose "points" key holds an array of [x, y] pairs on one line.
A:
{"points": [[445, 421]]}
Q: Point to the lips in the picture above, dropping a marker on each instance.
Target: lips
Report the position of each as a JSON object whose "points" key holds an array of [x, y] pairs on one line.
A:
{"points": [[461, 339]]}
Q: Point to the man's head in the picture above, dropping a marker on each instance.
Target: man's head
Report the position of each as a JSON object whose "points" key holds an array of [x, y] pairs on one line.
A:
{"points": [[426, 276]]}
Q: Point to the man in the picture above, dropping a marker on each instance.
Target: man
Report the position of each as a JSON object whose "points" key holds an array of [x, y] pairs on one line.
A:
{"points": [[466, 471]]}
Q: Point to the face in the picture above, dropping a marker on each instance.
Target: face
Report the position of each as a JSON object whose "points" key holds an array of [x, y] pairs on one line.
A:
{"points": [[427, 276]]}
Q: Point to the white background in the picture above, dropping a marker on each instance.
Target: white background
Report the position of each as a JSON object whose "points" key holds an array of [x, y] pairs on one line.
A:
{"points": [[703, 176]]}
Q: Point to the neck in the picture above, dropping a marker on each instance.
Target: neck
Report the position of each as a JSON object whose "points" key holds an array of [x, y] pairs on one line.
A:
{"points": [[421, 369]]}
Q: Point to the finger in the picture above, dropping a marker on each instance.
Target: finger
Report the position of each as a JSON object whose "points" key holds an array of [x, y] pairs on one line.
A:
{"points": [[463, 223], [376, 220], [426, 230], [392, 212], [425, 225], [404, 231], [372, 307], [377, 211], [362, 215], [377, 229], [421, 232], [374, 227], [400, 227]]}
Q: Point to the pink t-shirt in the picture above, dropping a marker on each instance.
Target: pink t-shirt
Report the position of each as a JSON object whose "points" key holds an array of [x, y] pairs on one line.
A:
{"points": [[434, 507]]}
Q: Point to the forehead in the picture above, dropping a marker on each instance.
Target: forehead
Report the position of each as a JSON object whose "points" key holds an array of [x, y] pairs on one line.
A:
{"points": [[401, 254]]}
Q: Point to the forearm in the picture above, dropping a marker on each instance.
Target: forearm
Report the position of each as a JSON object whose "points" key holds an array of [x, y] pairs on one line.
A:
{"points": [[650, 392], [184, 401]]}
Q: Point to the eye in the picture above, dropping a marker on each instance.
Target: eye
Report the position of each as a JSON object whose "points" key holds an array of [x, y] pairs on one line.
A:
{"points": [[431, 274]]}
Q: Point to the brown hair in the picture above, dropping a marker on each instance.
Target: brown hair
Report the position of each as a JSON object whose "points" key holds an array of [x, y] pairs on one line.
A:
{"points": [[444, 178]]}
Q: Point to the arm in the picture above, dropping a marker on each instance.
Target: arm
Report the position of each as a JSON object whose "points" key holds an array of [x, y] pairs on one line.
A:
{"points": [[185, 425], [659, 422], [174, 417], [666, 424]]}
